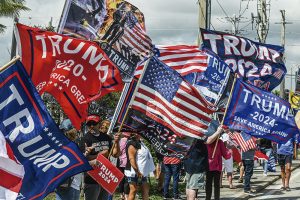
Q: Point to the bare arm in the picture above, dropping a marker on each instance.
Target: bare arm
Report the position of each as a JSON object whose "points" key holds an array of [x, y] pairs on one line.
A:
{"points": [[132, 159], [214, 136], [116, 152]]}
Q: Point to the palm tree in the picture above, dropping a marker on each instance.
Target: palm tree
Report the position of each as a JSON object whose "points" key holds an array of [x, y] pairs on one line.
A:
{"points": [[11, 8]]}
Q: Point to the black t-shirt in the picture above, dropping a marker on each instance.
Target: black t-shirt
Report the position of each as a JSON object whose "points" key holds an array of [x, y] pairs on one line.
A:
{"points": [[265, 143], [136, 144], [197, 159], [101, 143]]}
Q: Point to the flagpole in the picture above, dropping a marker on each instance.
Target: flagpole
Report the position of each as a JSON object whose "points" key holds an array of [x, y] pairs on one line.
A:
{"points": [[230, 97], [131, 100], [10, 63]]}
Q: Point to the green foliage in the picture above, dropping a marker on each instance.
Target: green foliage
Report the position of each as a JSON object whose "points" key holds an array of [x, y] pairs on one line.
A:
{"points": [[11, 8]]}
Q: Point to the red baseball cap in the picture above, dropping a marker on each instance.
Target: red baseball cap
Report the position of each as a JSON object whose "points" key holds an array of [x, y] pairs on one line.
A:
{"points": [[94, 118]]}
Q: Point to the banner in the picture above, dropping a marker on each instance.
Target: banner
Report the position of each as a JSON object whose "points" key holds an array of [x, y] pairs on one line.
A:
{"points": [[83, 19], [119, 25], [259, 64], [106, 174], [212, 83], [163, 139], [74, 71], [47, 156], [260, 113]]}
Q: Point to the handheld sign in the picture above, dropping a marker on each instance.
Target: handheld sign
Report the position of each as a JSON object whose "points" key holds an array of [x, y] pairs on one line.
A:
{"points": [[106, 174]]}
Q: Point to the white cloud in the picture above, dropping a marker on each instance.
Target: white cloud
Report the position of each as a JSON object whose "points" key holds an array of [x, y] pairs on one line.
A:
{"points": [[176, 21]]}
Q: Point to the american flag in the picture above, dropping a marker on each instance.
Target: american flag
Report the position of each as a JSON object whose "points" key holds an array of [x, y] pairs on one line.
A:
{"points": [[165, 97], [11, 171], [135, 35], [184, 59], [245, 141]]}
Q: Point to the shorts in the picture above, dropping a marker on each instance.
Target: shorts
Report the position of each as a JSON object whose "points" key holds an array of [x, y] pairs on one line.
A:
{"points": [[284, 159], [136, 180], [228, 165], [195, 181]]}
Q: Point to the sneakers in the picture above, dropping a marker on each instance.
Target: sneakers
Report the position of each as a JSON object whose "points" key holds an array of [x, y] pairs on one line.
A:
{"points": [[250, 193], [240, 180], [265, 174]]}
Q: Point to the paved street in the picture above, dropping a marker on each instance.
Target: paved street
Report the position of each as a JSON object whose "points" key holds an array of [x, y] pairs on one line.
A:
{"points": [[273, 191], [259, 182]]}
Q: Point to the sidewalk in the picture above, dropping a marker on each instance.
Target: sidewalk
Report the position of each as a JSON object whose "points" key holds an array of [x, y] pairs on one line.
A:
{"points": [[258, 182]]}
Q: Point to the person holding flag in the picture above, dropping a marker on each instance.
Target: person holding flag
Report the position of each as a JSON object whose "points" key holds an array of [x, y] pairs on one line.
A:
{"points": [[102, 144]]}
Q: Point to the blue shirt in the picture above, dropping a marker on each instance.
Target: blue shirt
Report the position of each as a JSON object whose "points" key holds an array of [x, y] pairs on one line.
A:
{"points": [[287, 148]]}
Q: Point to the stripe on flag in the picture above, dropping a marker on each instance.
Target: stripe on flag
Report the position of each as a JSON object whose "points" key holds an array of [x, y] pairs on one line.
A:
{"points": [[183, 58], [165, 97]]}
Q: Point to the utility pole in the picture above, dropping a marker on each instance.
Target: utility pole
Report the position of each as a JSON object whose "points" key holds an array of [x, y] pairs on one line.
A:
{"points": [[262, 19], [283, 23], [234, 22], [204, 16], [13, 50]]}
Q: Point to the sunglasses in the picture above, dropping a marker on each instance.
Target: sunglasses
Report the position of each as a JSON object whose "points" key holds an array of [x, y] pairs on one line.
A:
{"points": [[91, 123]]}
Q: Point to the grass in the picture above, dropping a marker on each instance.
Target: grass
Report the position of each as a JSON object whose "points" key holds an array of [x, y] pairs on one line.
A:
{"points": [[154, 195]]}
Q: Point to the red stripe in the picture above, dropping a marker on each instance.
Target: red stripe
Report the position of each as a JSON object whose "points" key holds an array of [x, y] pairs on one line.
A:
{"points": [[197, 105], [10, 152], [159, 120], [171, 160], [179, 115], [180, 125], [138, 40], [10, 181]]}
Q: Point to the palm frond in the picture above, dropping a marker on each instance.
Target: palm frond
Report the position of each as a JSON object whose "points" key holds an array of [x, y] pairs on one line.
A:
{"points": [[12, 8]]}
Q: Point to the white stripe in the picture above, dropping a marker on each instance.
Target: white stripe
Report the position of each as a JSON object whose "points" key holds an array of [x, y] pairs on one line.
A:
{"points": [[172, 107], [184, 70], [3, 150], [184, 62], [187, 104], [130, 41], [11, 167], [6, 194], [184, 55], [166, 119], [137, 39]]}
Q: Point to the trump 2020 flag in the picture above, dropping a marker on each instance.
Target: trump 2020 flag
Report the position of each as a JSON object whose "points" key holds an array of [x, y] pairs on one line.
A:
{"points": [[260, 113], [34, 139], [167, 98], [75, 72]]}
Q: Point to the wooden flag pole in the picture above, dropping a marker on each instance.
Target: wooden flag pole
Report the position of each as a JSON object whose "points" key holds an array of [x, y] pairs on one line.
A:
{"points": [[129, 105], [229, 100], [10, 63]]}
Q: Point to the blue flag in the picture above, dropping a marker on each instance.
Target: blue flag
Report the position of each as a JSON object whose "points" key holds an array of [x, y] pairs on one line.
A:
{"points": [[257, 63], [47, 156], [260, 113]]}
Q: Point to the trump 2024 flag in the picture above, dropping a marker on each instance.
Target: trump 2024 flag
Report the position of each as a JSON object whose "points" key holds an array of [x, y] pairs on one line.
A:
{"points": [[260, 113], [41, 157]]}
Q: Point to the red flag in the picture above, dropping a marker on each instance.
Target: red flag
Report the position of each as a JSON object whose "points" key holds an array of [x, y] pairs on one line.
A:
{"points": [[106, 174], [74, 71], [261, 156]]}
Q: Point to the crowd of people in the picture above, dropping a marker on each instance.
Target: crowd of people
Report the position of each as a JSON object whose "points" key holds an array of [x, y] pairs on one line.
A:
{"points": [[205, 164]]}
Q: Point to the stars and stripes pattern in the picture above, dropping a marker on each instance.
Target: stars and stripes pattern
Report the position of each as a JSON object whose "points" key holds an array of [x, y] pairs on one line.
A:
{"points": [[135, 36], [165, 97], [171, 160], [11, 171], [184, 59], [245, 141]]}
